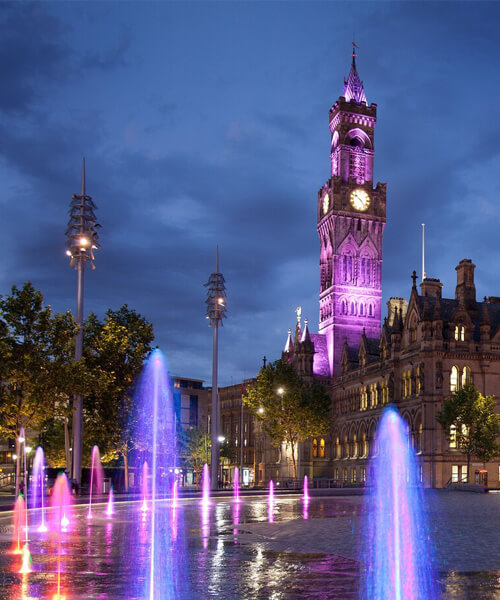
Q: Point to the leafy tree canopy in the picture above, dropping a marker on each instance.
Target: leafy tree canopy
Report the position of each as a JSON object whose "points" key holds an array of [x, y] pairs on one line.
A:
{"points": [[476, 426], [290, 408], [37, 370]]}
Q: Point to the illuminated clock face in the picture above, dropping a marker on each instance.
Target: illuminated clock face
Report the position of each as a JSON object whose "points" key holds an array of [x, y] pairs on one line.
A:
{"points": [[326, 203], [360, 200]]}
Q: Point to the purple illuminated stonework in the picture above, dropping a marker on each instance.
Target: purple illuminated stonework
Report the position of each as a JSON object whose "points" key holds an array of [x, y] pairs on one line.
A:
{"points": [[351, 221]]}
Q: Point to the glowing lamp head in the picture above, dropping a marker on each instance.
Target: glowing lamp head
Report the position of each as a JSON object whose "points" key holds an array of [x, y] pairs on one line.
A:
{"points": [[68, 252], [20, 439], [221, 439], [84, 241], [280, 391], [261, 411]]}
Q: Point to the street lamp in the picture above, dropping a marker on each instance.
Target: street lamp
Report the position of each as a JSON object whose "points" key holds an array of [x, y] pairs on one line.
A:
{"points": [[216, 311], [82, 239]]}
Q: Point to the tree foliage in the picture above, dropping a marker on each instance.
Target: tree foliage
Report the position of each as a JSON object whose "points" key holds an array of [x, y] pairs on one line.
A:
{"points": [[37, 369], [194, 449], [477, 427], [290, 408], [114, 351]]}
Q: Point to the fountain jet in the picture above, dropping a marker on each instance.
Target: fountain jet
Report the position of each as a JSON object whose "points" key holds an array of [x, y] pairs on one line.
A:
{"points": [[397, 554]]}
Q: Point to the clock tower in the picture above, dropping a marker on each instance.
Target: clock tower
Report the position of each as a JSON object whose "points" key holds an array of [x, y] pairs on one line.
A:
{"points": [[351, 220]]}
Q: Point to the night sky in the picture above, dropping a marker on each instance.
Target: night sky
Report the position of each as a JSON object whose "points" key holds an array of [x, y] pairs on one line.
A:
{"points": [[207, 123]]}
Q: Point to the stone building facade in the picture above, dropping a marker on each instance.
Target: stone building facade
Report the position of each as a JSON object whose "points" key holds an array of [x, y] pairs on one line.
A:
{"points": [[426, 348]]}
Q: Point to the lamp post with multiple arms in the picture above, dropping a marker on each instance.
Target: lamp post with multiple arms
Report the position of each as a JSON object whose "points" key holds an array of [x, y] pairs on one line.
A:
{"points": [[82, 240], [216, 311]]}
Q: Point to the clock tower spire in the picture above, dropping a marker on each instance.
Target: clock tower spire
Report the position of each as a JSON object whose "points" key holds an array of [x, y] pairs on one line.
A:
{"points": [[351, 220]]}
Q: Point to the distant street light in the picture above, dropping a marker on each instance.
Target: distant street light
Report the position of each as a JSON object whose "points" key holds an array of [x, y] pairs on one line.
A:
{"points": [[82, 240], [216, 311], [280, 391]]}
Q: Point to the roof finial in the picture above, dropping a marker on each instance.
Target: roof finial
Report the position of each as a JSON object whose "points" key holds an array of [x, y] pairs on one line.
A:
{"points": [[414, 277], [354, 46]]}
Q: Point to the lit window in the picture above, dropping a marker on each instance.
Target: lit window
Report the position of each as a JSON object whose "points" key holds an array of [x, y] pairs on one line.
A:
{"points": [[419, 381], [362, 474], [454, 379], [466, 376], [353, 475], [454, 473], [462, 334], [315, 448], [344, 474], [463, 477], [457, 332], [453, 436], [322, 448]]}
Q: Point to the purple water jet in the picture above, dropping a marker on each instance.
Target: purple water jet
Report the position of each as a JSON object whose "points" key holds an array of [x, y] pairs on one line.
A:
{"points": [[397, 555], [96, 478], [236, 485], [270, 502], [37, 489], [110, 511], [205, 486], [156, 431]]}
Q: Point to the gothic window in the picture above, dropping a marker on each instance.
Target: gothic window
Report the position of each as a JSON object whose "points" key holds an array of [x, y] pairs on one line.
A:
{"points": [[460, 333], [352, 310], [355, 141], [362, 474], [454, 380], [343, 307], [353, 475], [466, 376], [370, 310], [315, 448], [321, 448], [418, 381], [361, 309]]}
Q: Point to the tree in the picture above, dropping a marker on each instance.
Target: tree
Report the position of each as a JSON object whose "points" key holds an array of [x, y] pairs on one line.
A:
{"points": [[291, 409], [114, 351], [476, 426], [195, 446], [37, 370]]}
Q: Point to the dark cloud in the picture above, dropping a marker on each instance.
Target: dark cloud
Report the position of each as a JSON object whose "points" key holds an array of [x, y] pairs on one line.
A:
{"points": [[210, 126]]}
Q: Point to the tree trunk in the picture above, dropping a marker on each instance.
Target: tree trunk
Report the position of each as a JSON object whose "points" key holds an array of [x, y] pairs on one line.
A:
{"points": [[468, 467], [125, 464], [293, 459]]}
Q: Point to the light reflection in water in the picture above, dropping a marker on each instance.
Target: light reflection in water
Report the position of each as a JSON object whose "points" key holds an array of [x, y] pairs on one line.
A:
{"points": [[205, 524]]}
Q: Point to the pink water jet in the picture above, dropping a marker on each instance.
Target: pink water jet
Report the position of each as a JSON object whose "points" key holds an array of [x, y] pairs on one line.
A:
{"points": [[236, 485], [110, 510], [144, 488], [306, 496], [61, 503], [96, 478], [26, 564], [270, 510], [20, 525], [205, 486]]}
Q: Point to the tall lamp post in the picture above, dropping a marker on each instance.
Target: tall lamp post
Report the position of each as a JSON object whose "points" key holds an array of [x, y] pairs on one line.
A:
{"points": [[82, 240], [216, 311]]}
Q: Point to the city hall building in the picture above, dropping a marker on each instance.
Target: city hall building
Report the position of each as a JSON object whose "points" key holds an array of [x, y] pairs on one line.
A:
{"points": [[426, 348]]}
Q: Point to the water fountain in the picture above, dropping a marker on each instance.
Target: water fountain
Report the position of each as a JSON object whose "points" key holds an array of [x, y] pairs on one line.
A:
{"points": [[144, 488], [61, 514], [156, 430], [205, 486], [37, 488], [110, 511], [96, 478], [396, 553], [236, 485], [270, 502], [20, 525]]}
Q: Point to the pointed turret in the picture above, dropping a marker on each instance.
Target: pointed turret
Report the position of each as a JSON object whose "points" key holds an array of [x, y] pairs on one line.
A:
{"points": [[289, 343], [306, 336], [353, 86]]}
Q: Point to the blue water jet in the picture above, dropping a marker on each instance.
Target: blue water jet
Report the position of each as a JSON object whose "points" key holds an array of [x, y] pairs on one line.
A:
{"points": [[397, 552]]}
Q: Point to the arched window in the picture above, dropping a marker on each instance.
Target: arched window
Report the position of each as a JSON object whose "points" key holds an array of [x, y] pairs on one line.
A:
{"points": [[338, 449], [353, 308], [370, 310], [343, 307], [454, 379], [459, 333], [321, 448], [466, 376], [361, 309], [315, 448]]}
